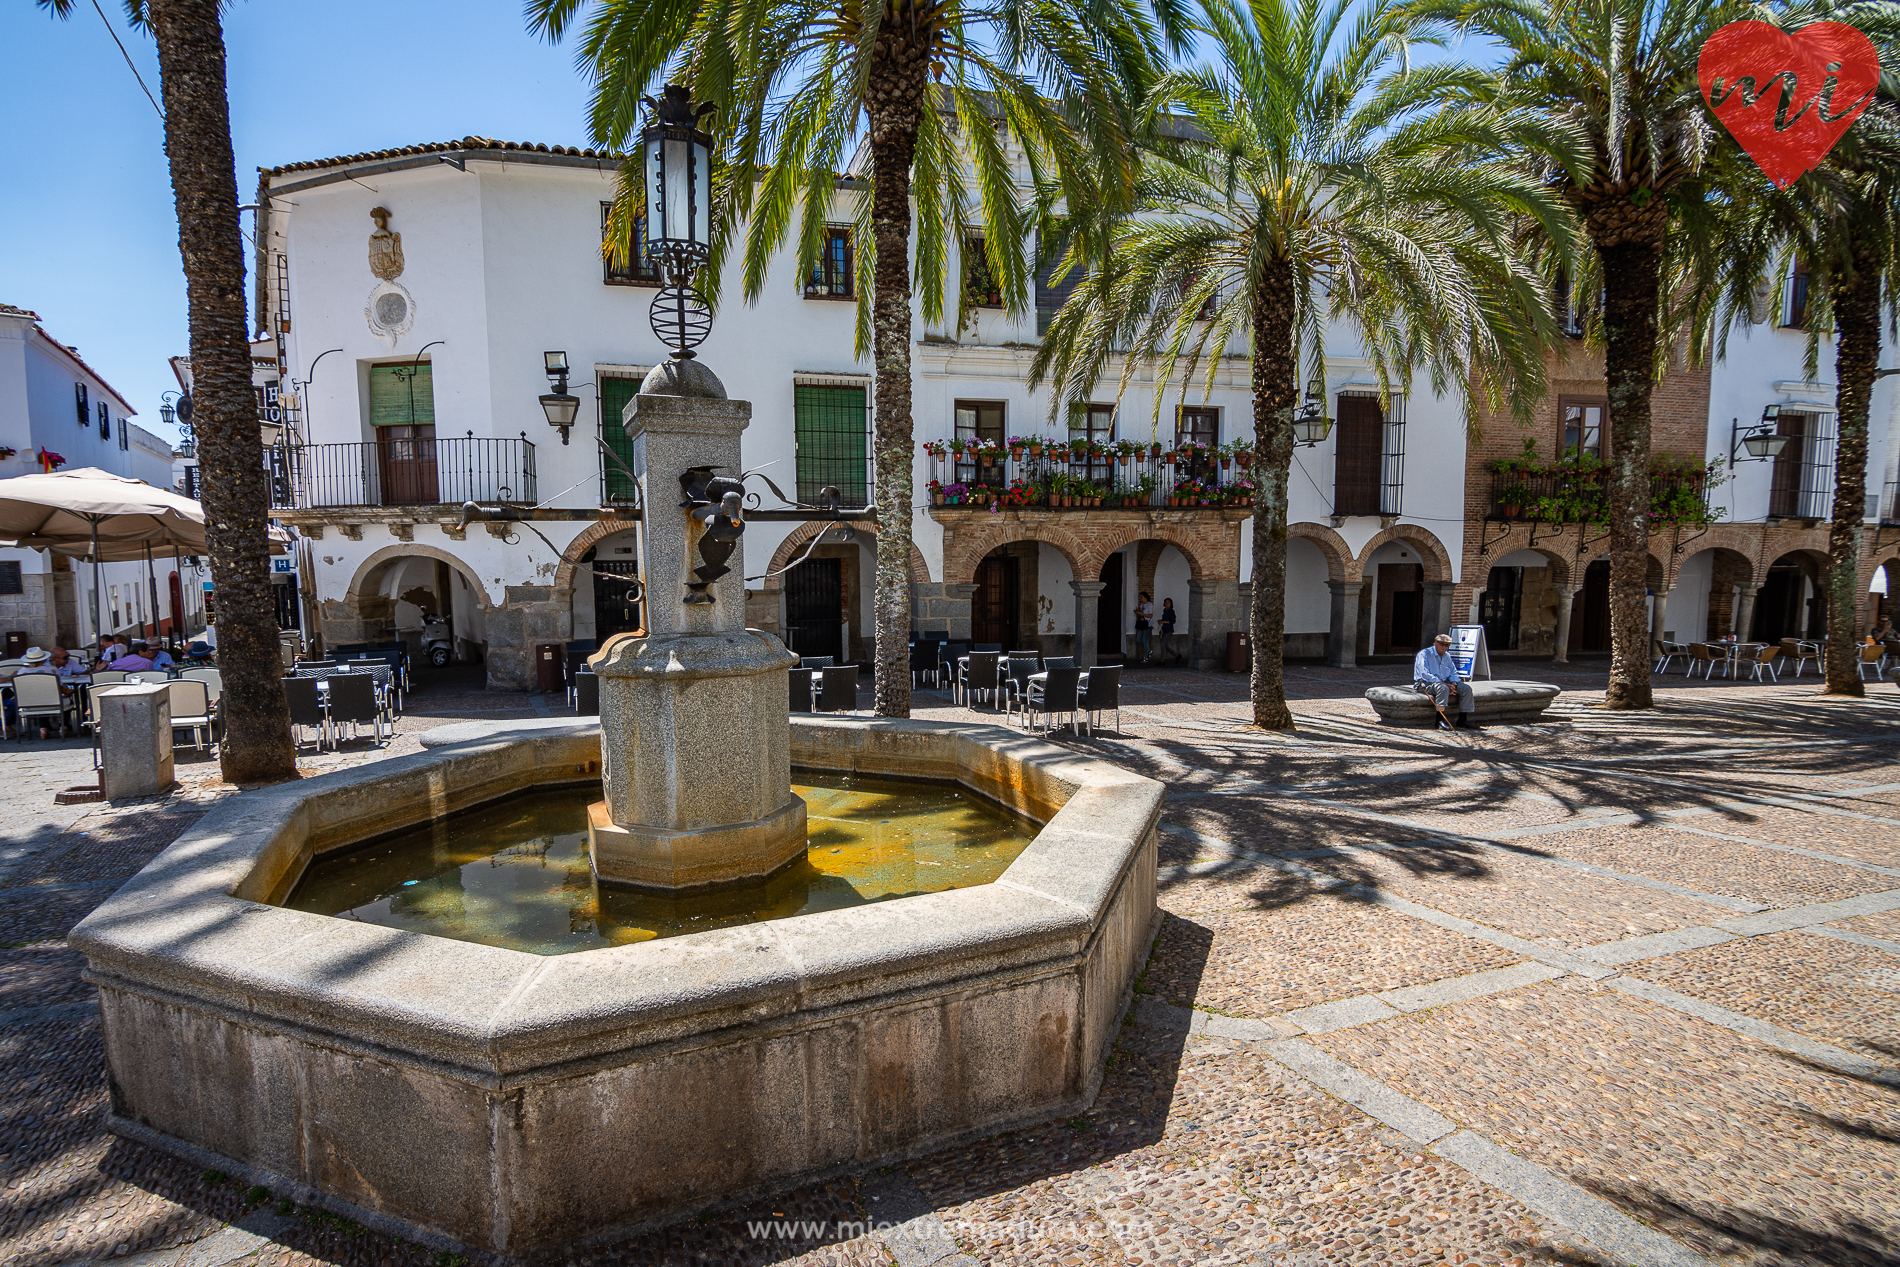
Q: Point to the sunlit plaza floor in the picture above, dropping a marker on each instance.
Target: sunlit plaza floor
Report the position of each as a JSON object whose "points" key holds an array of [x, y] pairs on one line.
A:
{"points": [[1613, 988]]}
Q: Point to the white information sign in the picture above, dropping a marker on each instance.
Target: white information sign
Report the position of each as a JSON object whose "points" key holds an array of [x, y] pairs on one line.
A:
{"points": [[1469, 652]]}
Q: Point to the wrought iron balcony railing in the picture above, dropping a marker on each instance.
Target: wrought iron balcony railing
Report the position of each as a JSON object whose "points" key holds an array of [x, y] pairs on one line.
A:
{"points": [[1583, 497], [401, 472]]}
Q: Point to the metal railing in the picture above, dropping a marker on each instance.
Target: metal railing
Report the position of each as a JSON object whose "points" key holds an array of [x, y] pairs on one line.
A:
{"points": [[1078, 477], [402, 472], [1546, 497]]}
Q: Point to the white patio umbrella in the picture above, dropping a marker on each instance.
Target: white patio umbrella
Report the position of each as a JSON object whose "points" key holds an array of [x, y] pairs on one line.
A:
{"points": [[100, 515]]}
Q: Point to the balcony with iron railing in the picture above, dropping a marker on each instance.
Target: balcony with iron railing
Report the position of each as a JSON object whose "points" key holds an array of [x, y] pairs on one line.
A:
{"points": [[1079, 475], [1554, 495], [401, 472]]}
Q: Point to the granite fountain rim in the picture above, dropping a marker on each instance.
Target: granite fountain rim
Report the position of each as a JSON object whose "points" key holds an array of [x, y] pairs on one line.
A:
{"points": [[196, 923]]}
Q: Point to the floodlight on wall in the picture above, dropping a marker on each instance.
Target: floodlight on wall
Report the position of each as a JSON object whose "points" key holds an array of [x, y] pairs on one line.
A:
{"points": [[558, 405], [1311, 425], [1762, 442]]}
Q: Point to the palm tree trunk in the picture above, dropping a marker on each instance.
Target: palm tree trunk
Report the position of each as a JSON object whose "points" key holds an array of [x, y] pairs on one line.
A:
{"points": [[1856, 360], [1273, 397], [257, 746], [1632, 270], [893, 96]]}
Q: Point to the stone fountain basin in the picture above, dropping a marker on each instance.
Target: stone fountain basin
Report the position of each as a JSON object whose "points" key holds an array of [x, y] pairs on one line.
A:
{"points": [[508, 1102]]}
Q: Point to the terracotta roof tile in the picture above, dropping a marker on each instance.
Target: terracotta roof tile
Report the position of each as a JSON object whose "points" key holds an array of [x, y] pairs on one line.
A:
{"points": [[443, 147], [11, 311]]}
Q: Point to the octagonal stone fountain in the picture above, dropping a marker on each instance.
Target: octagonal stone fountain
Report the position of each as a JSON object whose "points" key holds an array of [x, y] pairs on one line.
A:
{"points": [[508, 1102]]}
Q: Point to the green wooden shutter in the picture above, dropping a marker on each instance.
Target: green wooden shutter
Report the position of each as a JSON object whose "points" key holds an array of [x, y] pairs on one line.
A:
{"points": [[391, 402], [616, 483], [830, 430]]}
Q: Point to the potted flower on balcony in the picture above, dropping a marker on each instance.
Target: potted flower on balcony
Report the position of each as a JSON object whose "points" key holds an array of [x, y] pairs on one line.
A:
{"points": [[936, 492], [935, 449], [1511, 499], [7, 451], [49, 460]]}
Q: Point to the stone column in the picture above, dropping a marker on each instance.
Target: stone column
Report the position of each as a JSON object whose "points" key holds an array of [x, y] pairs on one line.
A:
{"points": [[1658, 616], [1566, 600], [1088, 599], [1745, 609], [1215, 609], [1342, 635], [695, 742], [1437, 608]]}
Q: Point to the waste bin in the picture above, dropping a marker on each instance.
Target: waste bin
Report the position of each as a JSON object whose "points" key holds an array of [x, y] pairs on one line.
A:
{"points": [[16, 644], [1239, 652], [550, 667]]}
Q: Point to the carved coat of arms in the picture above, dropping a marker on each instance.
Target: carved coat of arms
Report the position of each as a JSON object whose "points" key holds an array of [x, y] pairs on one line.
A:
{"points": [[385, 247]]}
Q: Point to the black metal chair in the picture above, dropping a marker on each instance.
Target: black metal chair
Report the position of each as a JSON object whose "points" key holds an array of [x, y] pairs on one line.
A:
{"points": [[817, 661], [353, 700], [1016, 673], [586, 694], [987, 646], [316, 664], [1102, 695], [1059, 662], [306, 706], [840, 691], [801, 689], [924, 659], [980, 676], [1058, 692], [349, 648], [947, 667]]}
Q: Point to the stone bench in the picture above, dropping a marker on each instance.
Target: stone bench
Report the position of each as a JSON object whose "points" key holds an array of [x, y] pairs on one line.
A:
{"points": [[1496, 702]]}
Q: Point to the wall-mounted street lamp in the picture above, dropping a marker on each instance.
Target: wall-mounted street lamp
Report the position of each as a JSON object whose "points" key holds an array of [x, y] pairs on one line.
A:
{"points": [[557, 404], [1311, 425], [1762, 441]]}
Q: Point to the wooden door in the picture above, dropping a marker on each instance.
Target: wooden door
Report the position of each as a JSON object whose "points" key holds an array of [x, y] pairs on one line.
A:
{"points": [[1114, 612], [994, 606], [1400, 615], [1499, 606], [407, 457], [1590, 612], [814, 608]]}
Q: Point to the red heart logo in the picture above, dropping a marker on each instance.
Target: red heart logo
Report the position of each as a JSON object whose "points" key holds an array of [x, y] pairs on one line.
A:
{"points": [[1787, 96]]}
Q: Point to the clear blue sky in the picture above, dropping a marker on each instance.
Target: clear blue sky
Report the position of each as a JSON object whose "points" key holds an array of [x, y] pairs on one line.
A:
{"points": [[88, 238]]}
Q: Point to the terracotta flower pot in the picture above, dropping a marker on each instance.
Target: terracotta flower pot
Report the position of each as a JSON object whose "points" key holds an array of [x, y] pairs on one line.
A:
{"points": [[1226, 463], [936, 499], [1127, 458]]}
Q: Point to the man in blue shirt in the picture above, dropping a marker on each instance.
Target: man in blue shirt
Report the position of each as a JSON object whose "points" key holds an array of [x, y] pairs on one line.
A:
{"points": [[1435, 676]]}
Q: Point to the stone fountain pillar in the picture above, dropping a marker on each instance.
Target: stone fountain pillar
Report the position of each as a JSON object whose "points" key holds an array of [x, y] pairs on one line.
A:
{"points": [[695, 739]]}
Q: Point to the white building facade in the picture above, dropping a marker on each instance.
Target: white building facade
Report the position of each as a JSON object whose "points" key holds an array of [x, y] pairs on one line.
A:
{"points": [[57, 412], [424, 286]]}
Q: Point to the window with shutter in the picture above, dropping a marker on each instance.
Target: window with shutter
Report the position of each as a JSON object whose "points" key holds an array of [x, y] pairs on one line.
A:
{"points": [[617, 482], [1582, 426], [1798, 296], [1200, 426], [981, 420], [829, 422], [105, 421], [1050, 294], [85, 408], [980, 289], [402, 395], [1359, 438]]}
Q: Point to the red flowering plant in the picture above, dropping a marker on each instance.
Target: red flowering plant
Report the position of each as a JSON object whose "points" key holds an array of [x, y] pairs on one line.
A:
{"points": [[935, 448], [49, 459]]}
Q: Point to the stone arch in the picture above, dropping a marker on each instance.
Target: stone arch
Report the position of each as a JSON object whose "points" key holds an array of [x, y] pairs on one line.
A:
{"points": [[1431, 550], [376, 564], [584, 540], [967, 547], [1340, 565], [1810, 556], [796, 539]]}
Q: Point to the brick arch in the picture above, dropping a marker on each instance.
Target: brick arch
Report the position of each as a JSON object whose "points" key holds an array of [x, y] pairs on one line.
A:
{"points": [[586, 539], [797, 537], [369, 572], [1815, 556], [1728, 545], [1120, 535], [1339, 560], [1430, 549], [964, 548]]}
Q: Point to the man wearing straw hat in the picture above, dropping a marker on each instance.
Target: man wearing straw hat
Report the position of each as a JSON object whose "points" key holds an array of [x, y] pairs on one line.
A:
{"points": [[1435, 676]]}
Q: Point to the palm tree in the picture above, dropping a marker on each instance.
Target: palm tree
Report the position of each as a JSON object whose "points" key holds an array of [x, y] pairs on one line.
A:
{"points": [[940, 96], [257, 745], [1626, 138], [1309, 175], [1840, 220]]}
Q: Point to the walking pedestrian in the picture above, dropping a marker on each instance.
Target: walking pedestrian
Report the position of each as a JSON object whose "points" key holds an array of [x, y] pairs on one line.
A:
{"points": [[1144, 626], [1167, 626]]}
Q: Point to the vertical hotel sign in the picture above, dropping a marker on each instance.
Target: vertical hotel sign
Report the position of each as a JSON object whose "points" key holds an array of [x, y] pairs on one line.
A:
{"points": [[1787, 96]]}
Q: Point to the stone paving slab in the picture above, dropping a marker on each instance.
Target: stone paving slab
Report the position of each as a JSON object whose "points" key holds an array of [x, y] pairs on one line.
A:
{"points": [[1520, 893], [1882, 924], [1833, 991], [1303, 953], [1862, 839], [1741, 1152], [1774, 878], [1280, 825]]}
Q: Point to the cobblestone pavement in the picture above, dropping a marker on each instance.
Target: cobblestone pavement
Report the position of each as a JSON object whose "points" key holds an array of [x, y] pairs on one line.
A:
{"points": [[1609, 989]]}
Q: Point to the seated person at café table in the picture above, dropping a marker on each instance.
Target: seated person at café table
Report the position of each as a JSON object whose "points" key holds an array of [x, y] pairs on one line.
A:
{"points": [[160, 658], [35, 662], [134, 660], [65, 665], [1435, 676]]}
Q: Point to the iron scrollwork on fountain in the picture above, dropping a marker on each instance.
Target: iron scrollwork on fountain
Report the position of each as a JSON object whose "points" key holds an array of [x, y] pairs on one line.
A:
{"points": [[715, 501]]}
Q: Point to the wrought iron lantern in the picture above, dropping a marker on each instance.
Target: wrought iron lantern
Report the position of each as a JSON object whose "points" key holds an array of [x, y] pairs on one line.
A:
{"points": [[1762, 441], [677, 169], [558, 405], [1311, 425]]}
